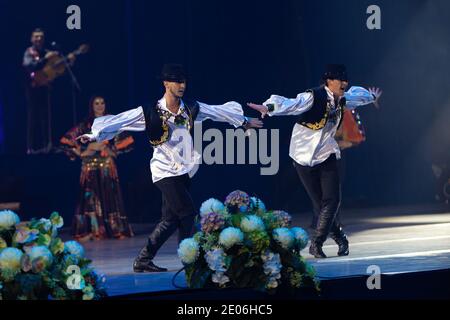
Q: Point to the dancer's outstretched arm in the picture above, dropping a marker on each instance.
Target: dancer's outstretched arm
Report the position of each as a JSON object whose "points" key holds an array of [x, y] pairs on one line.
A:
{"points": [[281, 106], [359, 96], [107, 127], [278, 105], [230, 112]]}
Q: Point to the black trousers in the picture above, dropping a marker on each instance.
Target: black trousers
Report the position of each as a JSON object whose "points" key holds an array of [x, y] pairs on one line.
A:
{"points": [[322, 183], [178, 212], [39, 131]]}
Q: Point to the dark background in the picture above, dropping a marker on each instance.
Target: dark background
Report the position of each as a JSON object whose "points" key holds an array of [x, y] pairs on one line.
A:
{"points": [[242, 51]]}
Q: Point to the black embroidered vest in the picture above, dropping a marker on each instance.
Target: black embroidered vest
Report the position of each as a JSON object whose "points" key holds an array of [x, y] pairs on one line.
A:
{"points": [[158, 129], [321, 112]]}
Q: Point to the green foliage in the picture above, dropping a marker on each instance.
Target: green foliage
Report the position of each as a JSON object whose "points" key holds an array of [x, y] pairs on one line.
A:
{"points": [[37, 280], [260, 262], [236, 219], [257, 241], [198, 274]]}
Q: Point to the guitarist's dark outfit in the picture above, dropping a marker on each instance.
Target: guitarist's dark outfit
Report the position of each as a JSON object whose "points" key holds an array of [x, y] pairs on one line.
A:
{"points": [[38, 104]]}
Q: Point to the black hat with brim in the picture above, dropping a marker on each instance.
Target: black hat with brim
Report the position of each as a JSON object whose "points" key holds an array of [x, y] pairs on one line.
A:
{"points": [[173, 73], [335, 72]]}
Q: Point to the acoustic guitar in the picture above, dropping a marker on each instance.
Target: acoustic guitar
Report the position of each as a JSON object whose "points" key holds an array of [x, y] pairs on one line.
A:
{"points": [[54, 68]]}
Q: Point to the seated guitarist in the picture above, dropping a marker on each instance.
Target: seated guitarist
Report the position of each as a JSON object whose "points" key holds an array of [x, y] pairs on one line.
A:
{"points": [[39, 135]]}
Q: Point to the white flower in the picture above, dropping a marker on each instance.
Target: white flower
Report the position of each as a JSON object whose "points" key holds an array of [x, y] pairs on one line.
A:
{"points": [[272, 263], [301, 236], [216, 260], [41, 252], [231, 236], [47, 224], [211, 205], [272, 268], [188, 251], [73, 247], [284, 237], [272, 283], [8, 219], [267, 255], [252, 223], [256, 203], [10, 259], [220, 278]]}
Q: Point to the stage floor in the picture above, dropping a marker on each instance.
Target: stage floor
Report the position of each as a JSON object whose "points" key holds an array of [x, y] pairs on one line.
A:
{"points": [[397, 241]]}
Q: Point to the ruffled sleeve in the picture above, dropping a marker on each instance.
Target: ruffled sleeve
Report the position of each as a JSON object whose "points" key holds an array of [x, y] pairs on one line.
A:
{"points": [[108, 127], [230, 112], [281, 106], [358, 96]]}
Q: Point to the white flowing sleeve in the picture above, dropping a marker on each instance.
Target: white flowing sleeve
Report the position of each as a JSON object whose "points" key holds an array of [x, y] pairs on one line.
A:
{"points": [[288, 107], [107, 127], [230, 112], [358, 96]]}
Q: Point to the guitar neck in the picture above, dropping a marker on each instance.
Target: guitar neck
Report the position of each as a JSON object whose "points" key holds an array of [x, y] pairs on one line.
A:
{"points": [[76, 53]]}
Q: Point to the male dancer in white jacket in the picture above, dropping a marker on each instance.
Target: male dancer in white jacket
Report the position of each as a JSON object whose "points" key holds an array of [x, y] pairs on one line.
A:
{"points": [[313, 148], [169, 124]]}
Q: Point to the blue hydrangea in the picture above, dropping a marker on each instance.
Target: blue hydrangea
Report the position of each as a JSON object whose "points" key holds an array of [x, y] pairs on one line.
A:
{"points": [[211, 205], [284, 237], [188, 251], [74, 248], [301, 237], [252, 223], [8, 219], [257, 204], [230, 237]]}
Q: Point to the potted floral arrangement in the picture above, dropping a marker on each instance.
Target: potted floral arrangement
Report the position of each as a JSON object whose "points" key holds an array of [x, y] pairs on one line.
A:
{"points": [[36, 264], [241, 244]]}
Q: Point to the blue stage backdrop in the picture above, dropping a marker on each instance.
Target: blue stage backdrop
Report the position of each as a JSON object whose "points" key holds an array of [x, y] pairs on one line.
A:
{"points": [[242, 51], [2, 134]]}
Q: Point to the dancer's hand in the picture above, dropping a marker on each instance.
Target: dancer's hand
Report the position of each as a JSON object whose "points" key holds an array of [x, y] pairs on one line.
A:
{"points": [[376, 92], [260, 108], [85, 138], [253, 123]]}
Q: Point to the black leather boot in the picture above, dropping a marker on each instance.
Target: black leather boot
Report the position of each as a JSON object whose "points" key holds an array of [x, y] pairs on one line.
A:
{"points": [[159, 235], [315, 249], [323, 226], [342, 242], [343, 248], [149, 266], [338, 235]]}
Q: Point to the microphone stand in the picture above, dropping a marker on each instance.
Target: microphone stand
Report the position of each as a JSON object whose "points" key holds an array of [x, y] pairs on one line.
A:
{"points": [[75, 85]]}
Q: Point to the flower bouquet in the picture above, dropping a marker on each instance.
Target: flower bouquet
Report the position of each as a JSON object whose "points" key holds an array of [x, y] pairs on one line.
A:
{"points": [[36, 264], [241, 244]]}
